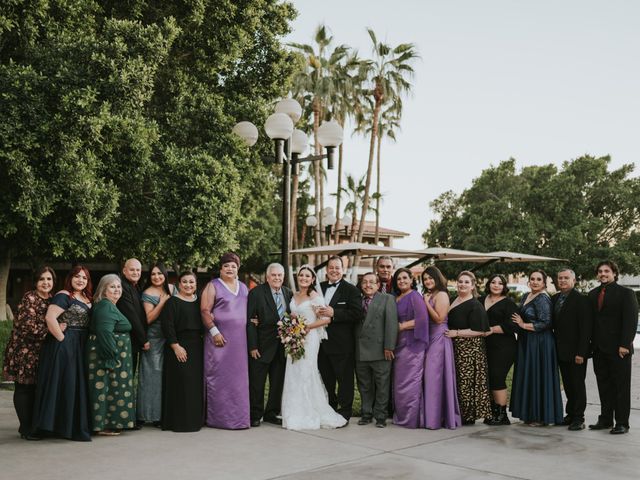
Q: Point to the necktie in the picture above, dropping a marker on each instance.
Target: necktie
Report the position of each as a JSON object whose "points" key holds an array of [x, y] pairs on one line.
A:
{"points": [[279, 305], [332, 285], [365, 304], [561, 298], [601, 298], [383, 287]]}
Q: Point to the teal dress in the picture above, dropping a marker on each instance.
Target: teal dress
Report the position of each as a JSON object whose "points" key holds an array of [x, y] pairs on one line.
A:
{"points": [[111, 399], [150, 372]]}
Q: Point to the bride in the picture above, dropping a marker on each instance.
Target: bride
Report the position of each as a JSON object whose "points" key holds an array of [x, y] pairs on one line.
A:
{"points": [[305, 404]]}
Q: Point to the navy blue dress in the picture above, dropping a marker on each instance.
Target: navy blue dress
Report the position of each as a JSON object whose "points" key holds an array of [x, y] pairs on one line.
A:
{"points": [[61, 404], [535, 393]]}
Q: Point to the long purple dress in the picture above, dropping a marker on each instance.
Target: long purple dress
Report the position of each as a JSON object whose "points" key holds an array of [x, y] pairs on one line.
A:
{"points": [[226, 369], [440, 393], [408, 367]]}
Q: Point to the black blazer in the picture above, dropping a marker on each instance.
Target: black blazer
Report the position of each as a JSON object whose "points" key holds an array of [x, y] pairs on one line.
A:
{"points": [[264, 336], [130, 305], [347, 313], [615, 325], [572, 326]]}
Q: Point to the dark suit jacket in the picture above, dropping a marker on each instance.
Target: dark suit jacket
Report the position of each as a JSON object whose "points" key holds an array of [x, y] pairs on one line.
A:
{"points": [[572, 326], [264, 336], [379, 330], [130, 305], [615, 325], [347, 313]]}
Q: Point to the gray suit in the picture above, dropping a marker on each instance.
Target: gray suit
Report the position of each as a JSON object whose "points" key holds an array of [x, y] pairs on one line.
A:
{"points": [[377, 332]]}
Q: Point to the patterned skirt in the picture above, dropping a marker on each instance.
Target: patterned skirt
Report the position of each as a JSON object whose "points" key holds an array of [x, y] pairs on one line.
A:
{"points": [[471, 375], [111, 392]]}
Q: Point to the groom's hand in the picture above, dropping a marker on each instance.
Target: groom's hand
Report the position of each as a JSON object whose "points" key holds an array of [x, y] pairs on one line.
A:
{"points": [[255, 354], [326, 311]]}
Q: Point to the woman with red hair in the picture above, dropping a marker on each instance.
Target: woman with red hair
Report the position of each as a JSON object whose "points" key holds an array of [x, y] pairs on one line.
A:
{"points": [[61, 407]]}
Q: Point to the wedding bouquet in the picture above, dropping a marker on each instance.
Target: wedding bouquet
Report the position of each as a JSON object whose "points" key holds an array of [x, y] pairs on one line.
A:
{"points": [[292, 331]]}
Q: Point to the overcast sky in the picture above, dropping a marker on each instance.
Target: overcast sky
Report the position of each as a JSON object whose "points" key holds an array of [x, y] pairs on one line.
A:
{"points": [[540, 81]]}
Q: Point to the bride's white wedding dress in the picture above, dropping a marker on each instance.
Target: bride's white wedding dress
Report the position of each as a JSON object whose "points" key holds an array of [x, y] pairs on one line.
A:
{"points": [[305, 404]]}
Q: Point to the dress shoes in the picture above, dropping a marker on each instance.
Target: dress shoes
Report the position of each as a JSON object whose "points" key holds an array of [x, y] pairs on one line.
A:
{"points": [[577, 425], [381, 423], [365, 421], [567, 420], [600, 426], [273, 420], [255, 423], [619, 430], [30, 437]]}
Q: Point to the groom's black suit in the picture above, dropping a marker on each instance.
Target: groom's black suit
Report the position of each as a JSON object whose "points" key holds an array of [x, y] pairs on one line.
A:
{"points": [[336, 358], [264, 338]]}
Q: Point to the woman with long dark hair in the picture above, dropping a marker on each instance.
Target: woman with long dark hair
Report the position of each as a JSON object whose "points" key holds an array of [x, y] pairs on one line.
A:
{"points": [[413, 340], [61, 406], [440, 391], [154, 298], [535, 392], [22, 353], [501, 344]]}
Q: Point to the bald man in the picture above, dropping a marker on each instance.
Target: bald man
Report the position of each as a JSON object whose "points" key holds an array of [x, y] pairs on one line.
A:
{"points": [[130, 305]]}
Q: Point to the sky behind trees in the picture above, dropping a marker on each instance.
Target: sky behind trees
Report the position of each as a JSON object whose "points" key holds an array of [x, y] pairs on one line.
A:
{"points": [[542, 82]]}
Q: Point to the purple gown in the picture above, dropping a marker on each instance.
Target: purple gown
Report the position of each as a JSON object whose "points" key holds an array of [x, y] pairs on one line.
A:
{"points": [[226, 369], [440, 393], [408, 366]]}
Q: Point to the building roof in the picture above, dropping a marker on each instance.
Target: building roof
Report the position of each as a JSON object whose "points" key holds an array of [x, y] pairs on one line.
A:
{"points": [[370, 229]]}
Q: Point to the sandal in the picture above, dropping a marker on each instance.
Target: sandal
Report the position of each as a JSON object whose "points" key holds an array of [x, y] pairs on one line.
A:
{"points": [[108, 433]]}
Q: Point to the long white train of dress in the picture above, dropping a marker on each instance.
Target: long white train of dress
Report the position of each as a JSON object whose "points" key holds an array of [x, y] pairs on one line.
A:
{"points": [[305, 404]]}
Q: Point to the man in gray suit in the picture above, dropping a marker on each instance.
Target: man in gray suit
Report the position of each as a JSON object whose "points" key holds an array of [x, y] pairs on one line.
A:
{"points": [[375, 341]]}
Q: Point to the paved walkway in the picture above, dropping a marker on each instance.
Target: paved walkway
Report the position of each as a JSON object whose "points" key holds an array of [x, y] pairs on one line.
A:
{"points": [[353, 452]]}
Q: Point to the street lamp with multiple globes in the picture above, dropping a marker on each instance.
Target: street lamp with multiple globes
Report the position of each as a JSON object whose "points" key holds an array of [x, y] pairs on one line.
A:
{"points": [[290, 144]]}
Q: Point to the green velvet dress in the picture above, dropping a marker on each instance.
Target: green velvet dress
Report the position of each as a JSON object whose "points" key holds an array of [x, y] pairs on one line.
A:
{"points": [[111, 391]]}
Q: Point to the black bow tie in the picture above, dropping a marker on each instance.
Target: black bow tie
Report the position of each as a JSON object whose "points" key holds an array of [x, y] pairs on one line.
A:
{"points": [[332, 285]]}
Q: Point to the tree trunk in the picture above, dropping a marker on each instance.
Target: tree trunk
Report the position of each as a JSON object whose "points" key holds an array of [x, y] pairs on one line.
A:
{"points": [[294, 215], [377, 234], [316, 173], [5, 265], [338, 194], [367, 185]]}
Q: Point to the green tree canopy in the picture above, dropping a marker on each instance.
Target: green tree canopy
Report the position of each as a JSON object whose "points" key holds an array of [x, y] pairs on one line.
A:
{"points": [[583, 212]]}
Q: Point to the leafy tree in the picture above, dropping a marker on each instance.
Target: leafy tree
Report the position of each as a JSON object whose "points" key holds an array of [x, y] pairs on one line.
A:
{"points": [[582, 212], [116, 134]]}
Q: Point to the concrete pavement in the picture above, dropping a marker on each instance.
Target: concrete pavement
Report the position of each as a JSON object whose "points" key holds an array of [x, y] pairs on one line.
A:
{"points": [[354, 452]]}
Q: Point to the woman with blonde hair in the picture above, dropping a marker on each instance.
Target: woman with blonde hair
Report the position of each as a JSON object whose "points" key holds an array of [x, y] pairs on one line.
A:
{"points": [[468, 324], [110, 365]]}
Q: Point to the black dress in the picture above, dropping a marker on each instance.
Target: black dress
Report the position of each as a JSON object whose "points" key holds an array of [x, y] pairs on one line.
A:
{"points": [[61, 405], [471, 360], [182, 385], [501, 347]]}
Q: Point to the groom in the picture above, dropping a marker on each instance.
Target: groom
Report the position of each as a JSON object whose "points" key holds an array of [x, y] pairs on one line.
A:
{"points": [[336, 358], [266, 305]]}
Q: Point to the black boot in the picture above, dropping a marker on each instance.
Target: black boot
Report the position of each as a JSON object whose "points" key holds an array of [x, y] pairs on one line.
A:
{"points": [[495, 410], [501, 418]]}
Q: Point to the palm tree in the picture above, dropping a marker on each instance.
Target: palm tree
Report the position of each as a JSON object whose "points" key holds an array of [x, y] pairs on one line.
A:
{"points": [[319, 80], [389, 75]]}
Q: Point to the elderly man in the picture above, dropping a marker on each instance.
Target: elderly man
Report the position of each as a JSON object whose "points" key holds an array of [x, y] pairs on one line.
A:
{"points": [[572, 327], [266, 306], [130, 305], [336, 358], [375, 341], [615, 314], [384, 269]]}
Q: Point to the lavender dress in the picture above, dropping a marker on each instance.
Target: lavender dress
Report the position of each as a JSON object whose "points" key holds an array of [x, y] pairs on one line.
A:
{"points": [[440, 393], [408, 367], [226, 369]]}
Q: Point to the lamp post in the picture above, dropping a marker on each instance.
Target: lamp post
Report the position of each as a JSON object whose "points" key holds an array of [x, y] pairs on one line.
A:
{"points": [[289, 145]]}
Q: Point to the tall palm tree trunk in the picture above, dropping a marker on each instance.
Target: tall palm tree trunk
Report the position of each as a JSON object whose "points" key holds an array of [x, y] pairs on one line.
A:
{"points": [[338, 194], [294, 216], [5, 266], [377, 233], [316, 173]]}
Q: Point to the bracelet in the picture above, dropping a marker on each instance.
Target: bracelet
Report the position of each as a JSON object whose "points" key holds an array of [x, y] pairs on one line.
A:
{"points": [[214, 331]]}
